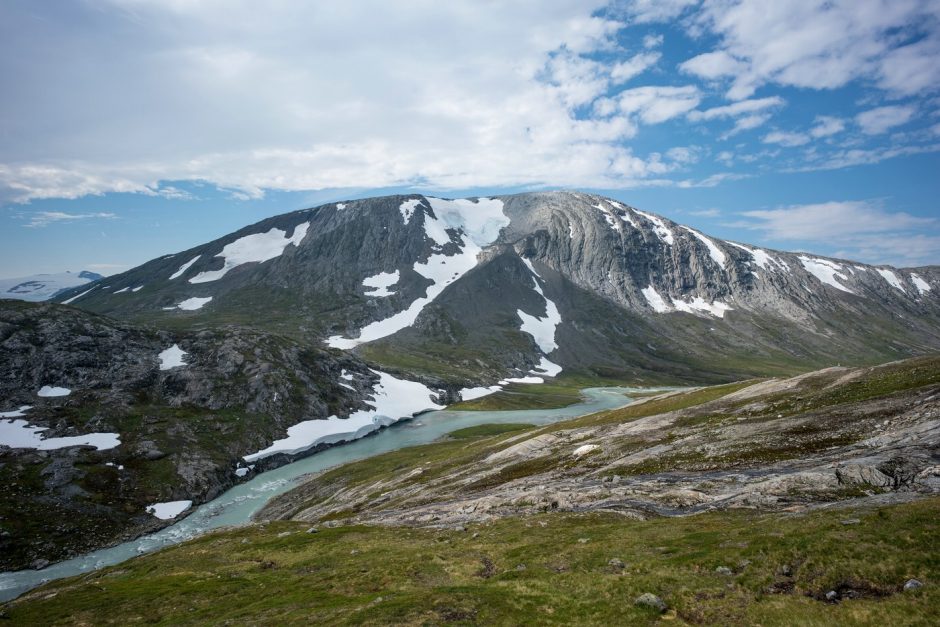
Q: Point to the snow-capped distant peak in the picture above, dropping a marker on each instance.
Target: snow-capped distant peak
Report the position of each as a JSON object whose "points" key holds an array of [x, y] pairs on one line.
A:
{"points": [[42, 287]]}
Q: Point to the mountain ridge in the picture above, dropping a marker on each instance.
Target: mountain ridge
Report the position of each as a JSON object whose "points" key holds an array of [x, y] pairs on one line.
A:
{"points": [[365, 275]]}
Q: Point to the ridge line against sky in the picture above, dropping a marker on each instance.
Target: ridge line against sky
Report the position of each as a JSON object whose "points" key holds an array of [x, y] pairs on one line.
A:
{"points": [[135, 128]]}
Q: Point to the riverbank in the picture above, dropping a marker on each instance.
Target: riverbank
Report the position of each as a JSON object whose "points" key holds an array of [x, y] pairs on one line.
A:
{"points": [[237, 505]]}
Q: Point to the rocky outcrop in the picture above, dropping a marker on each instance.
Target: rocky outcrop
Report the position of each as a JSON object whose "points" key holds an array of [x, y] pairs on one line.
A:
{"points": [[183, 426], [775, 445]]}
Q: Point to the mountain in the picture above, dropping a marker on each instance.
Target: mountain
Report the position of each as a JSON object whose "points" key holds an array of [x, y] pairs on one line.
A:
{"points": [[526, 286], [44, 286]]}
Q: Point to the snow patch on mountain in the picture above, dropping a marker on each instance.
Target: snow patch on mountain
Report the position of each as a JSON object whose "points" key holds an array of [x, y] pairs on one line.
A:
{"points": [[168, 510], [469, 394], [761, 257], [659, 227], [541, 329], [472, 222], [191, 304], [392, 400], [826, 271], [172, 357], [257, 247], [77, 296], [407, 209], [481, 219], [700, 305], [716, 254], [50, 391], [183, 268], [379, 283], [922, 286], [609, 216], [654, 299], [891, 278], [20, 434]]}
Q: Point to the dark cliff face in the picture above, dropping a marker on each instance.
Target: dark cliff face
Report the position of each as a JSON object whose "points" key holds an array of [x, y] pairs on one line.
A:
{"points": [[637, 294]]}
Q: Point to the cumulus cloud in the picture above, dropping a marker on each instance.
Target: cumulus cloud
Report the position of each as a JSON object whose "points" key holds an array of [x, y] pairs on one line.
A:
{"points": [[647, 11], [819, 44], [634, 66], [308, 96], [826, 125], [653, 105], [787, 139], [882, 119]]}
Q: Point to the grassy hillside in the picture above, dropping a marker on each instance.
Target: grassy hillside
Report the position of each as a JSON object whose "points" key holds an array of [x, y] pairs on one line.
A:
{"points": [[562, 569]]}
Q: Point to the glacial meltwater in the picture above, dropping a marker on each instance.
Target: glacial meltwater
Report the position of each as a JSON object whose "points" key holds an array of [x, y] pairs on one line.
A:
{"points": [[237, 505]]}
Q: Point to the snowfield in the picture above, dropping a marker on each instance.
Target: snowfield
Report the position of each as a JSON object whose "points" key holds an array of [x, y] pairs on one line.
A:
{"points": [[922, 286], [662, 231], [714, 252], [761, 257], [699, 304], [77, 296], [257, 247], [51, 390], [380, 283], [891, 278], [541, 329], [191, 304], [172, 357], [184, 267], [654, 299], [169, 510], [20, 434], [392, 400], [469, 394], [826, 271]]}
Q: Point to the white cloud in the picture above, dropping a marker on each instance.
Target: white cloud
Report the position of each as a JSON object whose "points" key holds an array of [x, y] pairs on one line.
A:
{"points": [[860, 230], [882, 119], [45, 218], [738, 108], [824, 221], [301, 96], [865, 156], [634, 66], [647, 11], [820, 44], [712, 65], [787, 139], [652, 41], [912, 69], [826, 125], [658, 104]]}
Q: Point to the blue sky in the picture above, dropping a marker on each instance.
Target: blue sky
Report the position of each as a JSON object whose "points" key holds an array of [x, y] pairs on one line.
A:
{"points": [[135, 128]]}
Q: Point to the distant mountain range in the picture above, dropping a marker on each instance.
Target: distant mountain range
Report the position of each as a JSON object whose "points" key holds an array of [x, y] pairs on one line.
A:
{"points": [[44, 286]]}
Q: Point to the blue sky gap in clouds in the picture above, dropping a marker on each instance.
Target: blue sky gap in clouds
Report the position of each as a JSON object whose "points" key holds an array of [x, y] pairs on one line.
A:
{"points": [[135, 128]]}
